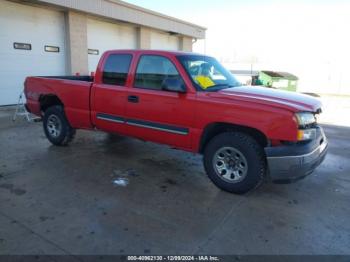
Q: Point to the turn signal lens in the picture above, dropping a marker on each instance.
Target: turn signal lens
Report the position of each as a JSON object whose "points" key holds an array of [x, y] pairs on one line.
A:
{"points": [[307, 134]]}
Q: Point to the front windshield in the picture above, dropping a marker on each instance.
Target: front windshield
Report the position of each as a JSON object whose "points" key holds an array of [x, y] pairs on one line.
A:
{"points": [[207, 73]]}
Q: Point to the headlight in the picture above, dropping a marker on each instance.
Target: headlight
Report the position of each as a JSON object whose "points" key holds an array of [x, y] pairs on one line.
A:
{"points": [[305, 119]]}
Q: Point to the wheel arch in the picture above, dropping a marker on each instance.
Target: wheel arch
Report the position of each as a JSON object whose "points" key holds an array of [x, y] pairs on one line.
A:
{"points": [[213, 129], [49, 100]]}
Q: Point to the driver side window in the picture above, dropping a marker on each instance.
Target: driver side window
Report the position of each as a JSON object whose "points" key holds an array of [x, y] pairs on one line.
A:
{"points": [[153, 70]]}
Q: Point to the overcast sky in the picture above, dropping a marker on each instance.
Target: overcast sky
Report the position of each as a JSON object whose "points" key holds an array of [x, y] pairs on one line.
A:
{"points": [[307, 38]]}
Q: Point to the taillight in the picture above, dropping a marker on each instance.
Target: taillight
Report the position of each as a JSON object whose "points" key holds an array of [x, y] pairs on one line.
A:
{"points": [[25, 87]]}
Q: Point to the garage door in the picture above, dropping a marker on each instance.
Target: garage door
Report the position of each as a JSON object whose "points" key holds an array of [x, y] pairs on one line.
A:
{"points": [[164, 41], [103, 36], [24, 33]]}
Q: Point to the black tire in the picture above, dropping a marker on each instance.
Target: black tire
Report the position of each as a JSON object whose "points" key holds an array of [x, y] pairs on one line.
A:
{"points": [[64, 132], [245, 149]]}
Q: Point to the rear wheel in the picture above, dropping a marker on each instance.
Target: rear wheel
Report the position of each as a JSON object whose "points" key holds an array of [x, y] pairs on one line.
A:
{"points": [[56, 127], [235, 162]]}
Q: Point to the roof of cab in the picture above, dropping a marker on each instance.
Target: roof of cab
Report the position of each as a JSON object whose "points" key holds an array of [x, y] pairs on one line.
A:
{"points": [[149, 51]]}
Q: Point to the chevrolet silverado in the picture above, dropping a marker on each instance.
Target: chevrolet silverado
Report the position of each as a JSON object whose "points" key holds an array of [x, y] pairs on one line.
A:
{"points": [[190, 102]]}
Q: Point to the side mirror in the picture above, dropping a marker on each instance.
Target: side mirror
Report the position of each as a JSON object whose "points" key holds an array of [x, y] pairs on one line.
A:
{"points": [[174, 85]]}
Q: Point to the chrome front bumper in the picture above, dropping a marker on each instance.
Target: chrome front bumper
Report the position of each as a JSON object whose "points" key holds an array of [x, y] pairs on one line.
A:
{"points": [[289, 163]]}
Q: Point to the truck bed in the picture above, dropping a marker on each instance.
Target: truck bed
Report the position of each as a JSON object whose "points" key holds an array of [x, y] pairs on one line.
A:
{"points": [[73, 78], [73, 92]]}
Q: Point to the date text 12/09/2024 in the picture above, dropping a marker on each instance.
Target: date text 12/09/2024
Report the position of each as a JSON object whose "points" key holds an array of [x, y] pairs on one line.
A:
{"points": [[173, 258]]}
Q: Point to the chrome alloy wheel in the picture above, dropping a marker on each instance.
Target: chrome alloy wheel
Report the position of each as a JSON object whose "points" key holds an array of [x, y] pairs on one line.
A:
{"points": [[54, 126], [230, 164]]}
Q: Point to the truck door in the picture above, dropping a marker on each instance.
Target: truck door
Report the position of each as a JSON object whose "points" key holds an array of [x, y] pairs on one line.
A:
{"points": [[155, 114], [109, 93]]}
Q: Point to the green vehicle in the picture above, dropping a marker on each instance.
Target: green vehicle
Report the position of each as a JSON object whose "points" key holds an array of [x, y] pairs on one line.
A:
{"points": [[278, 80]]}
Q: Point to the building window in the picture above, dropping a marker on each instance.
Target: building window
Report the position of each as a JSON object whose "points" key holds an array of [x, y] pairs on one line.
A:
{"points": [[153, 70], [116, 69], [93, 52], [22, 46], [53, 49]]}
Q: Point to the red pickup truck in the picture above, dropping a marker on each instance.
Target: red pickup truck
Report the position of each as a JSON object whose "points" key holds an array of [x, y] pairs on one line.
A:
{"points": [[190, 102]]}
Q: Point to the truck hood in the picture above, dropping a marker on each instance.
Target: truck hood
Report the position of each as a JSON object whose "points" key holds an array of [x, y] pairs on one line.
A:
{"points": [[284, 99]]}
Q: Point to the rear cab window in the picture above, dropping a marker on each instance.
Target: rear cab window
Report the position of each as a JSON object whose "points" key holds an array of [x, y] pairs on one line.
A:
{"points": [[116, 69]]}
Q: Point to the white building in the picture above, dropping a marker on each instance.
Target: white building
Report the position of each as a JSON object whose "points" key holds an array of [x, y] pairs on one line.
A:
{"points": [[59, 37]]}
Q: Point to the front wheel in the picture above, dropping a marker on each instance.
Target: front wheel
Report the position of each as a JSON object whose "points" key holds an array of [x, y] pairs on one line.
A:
{"points": [[235, 162], [56, 127]]}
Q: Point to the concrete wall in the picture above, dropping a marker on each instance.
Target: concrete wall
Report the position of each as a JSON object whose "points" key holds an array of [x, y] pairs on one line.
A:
{"points": [[77, 43], [186, 43], [144, 38], [147, 22], [122, 11]]}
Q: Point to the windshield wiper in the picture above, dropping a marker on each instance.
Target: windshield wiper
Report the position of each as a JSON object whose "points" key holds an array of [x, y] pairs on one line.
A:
{"points": [[217, 87]]}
